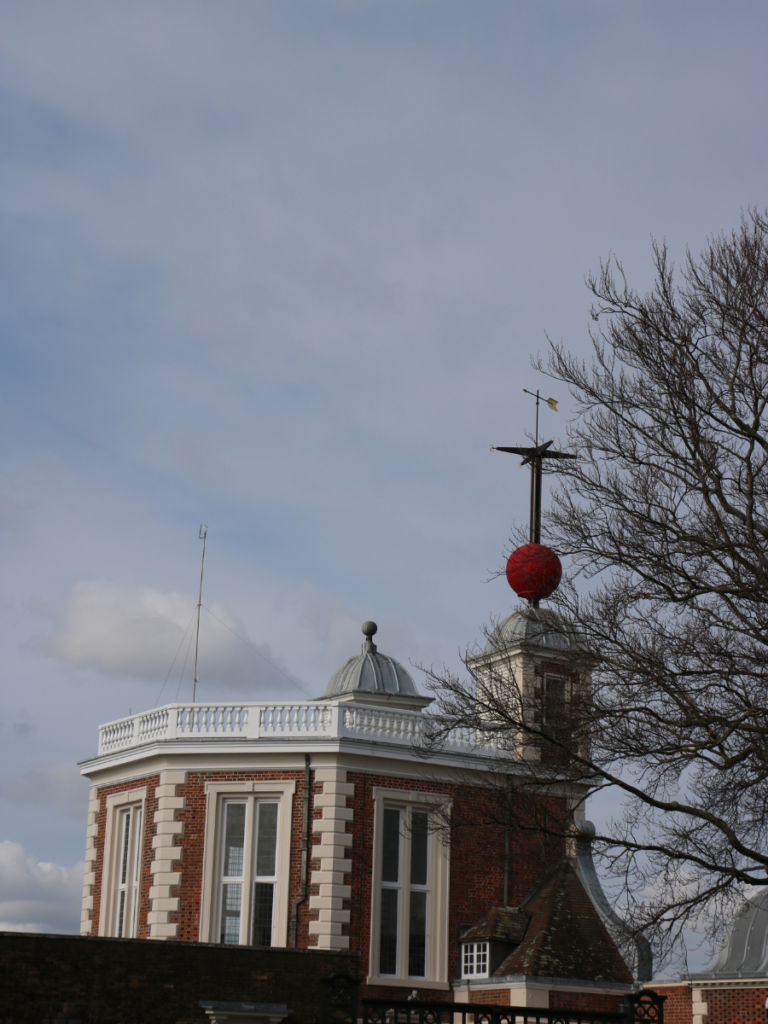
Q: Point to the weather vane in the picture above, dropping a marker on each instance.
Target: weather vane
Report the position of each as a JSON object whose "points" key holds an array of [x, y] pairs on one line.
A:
{"points": [[533, 570]]}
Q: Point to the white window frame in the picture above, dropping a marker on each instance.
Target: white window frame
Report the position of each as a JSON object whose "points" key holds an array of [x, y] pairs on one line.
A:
{"points": [[438, 875], [217, 793], [470, 953], [116, 803]]}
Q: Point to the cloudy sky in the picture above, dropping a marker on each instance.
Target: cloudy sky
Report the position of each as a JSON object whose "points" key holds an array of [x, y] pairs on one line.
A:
{"points": [[280, 268]]}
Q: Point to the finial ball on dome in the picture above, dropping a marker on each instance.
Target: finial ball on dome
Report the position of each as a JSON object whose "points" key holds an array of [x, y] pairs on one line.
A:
{"points": [[369, 629]]}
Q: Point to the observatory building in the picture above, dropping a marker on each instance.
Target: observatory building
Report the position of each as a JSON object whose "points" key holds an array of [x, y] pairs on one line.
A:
{"points": [[312, 824]]}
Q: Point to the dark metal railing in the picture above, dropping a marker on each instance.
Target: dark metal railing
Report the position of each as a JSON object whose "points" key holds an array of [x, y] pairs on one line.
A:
{"points": [[340, 998], [639, 1008]]}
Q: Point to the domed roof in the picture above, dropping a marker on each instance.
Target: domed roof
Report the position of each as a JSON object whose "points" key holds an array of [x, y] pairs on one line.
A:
{"points": [[744, 949], [534, 627], [370, 672]]}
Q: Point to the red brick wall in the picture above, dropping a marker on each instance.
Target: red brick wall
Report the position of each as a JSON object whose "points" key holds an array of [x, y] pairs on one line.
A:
{"points": [[476, 878], [361, 855], [724, 1005], [193, 836], [147, 853], [735, 1006], [491, 997], [598, 1002], [191, 841], [477, 862], [677, 1008]]}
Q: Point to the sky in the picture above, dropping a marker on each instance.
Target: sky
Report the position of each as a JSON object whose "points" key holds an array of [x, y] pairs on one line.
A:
{"points": [[281, 269]]}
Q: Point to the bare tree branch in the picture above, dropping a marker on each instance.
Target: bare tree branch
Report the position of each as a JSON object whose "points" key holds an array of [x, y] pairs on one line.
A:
{"points": [[665, 518]]}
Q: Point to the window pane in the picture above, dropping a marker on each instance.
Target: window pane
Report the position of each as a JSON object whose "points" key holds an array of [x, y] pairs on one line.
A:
{"points": [[125, 821], [390, 867], [121, 913], [469, 959], [388, 939], [419, 833], [266, 844], [482, 957], [137, 841], [417, 941], [231, 898], [263, 895], [136, 870], [234, 840]]}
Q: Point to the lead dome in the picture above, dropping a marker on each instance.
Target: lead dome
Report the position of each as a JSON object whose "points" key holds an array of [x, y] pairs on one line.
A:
{"points": [[534, 627], [373, 677]]}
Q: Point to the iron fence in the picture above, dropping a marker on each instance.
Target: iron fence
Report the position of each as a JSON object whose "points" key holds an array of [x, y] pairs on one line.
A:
{"points": [[639, 1008]]}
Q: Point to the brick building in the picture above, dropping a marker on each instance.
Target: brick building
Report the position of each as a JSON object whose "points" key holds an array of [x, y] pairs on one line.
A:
{"points": [[307, 824], [734, 988]]}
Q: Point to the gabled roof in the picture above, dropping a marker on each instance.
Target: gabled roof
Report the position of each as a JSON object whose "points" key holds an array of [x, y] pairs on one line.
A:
{"points": [[565, 937]]}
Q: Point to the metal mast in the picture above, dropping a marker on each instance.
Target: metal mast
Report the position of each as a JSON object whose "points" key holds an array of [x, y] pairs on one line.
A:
{"points": [[535, 456], [202, 534]]}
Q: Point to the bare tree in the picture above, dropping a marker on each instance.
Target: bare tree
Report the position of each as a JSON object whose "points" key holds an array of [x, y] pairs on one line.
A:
{"points": [[664, 521]]}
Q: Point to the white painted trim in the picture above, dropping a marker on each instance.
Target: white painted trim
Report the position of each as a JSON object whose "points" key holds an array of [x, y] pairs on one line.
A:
{"points": [[437, 928], [465, 986], [411, 983], [216, 793], [114, 802], [709, 984]]}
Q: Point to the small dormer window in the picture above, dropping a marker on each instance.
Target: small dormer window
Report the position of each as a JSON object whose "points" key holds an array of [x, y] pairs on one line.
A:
{"points": [[475, 960]]}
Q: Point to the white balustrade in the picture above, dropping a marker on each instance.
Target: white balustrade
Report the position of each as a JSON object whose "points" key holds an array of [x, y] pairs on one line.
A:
{"points": [[301, 719], [211, 720], [283, 721]]}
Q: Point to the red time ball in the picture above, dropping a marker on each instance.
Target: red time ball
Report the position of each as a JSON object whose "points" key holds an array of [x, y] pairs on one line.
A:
{"points": [[534, 572]]}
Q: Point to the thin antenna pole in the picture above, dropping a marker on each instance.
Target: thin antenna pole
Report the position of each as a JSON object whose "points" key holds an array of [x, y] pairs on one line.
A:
{"points": [[537, 417], [202, 534]]}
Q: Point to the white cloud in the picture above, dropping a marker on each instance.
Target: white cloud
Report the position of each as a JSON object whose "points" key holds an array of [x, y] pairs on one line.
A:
{"points": [[138, 631], [59, 785], [38, 897], [130, 630]]}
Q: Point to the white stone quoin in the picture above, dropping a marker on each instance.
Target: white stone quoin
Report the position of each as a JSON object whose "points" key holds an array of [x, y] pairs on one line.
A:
{"points": [[334, 862], [164, 877], [89, 876]]}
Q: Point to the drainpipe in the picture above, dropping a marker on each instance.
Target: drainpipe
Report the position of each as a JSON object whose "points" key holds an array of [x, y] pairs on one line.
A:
{"points": [[295, 904], [507, 815]]}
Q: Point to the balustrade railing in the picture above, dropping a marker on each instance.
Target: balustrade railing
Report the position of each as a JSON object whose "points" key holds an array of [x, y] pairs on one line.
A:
{"points": [[211, 720], [270, 721]]}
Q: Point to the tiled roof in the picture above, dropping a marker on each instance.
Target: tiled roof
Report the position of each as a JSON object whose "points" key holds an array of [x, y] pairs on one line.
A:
{"points": [[565, 937], [501, 924]]}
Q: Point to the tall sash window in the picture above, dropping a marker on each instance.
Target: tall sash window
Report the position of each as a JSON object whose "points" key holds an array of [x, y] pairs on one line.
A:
{"points": [[248, 872], [404, 893], [128, 871], [410, 891]]}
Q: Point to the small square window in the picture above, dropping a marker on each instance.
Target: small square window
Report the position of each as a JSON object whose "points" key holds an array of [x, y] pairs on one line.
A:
{"points": [[475, 960]]}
